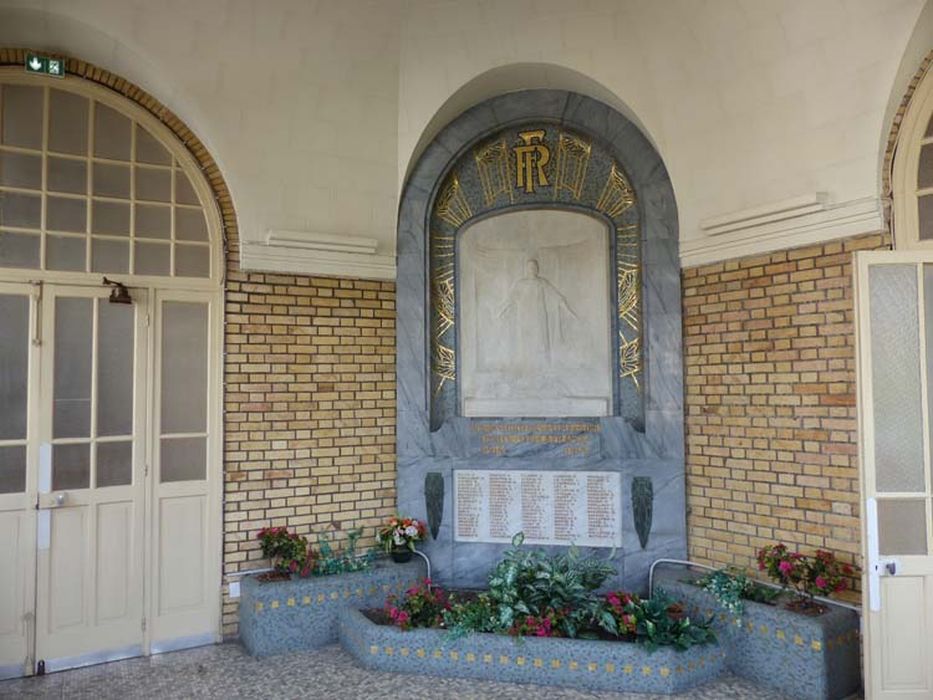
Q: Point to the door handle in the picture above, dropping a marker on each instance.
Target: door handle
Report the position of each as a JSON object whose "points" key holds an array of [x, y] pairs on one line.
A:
{"points": [[891, 567], [49, 502]]}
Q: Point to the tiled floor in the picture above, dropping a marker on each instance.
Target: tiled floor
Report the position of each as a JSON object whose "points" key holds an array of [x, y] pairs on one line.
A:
{"points": [[226, 671]]}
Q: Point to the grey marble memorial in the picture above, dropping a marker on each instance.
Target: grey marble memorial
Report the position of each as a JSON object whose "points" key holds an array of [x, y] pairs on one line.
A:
{"points": [[539, 338]]}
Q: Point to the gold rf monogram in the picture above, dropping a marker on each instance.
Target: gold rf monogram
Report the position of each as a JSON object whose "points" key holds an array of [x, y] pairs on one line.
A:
{"points": [[530, 158]]}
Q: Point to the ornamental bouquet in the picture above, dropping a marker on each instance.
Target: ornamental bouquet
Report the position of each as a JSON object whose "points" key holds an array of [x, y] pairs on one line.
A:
{"points": [[809, 576], [288, 551], [401, 533], [423, 605]]}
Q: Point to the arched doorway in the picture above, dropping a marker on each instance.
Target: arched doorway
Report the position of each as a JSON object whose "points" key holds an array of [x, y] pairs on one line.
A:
{"points": [[110, 445]]}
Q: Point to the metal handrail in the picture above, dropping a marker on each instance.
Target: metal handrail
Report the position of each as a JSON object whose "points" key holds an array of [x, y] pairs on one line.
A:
{"points": [[685, 562]]}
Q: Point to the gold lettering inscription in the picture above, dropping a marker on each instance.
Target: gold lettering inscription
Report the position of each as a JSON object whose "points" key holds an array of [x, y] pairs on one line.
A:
{"points": [[530, 158], [495, 438]]}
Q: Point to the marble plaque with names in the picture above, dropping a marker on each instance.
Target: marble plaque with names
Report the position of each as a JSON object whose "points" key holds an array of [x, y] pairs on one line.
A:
{"points": [[550, 507]]}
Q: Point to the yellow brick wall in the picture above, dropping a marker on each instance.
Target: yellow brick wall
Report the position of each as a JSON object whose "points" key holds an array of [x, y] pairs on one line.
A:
{"points": [[309, 410], [769, 362]]}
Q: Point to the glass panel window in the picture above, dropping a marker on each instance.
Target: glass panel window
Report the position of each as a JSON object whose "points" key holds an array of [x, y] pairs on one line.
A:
{"points": [[22, 116], [183, 459], [115, 341], [13, 469], [895, 366], [154, 184], [14, 365], [22, 210], [67, 122], [190, 225], [110, 218], [149, 150], [184, 367], [192, 261], [65, 253], [153, 258], [19, 249], [153, 221], [71, 466], [71, 408], [902, 526], [184, 191], [112, 180], [93, 170], [67, 175], [110, 256], [20, 170], [114, 463], [111, 133], [66, 214], [925, 216]]}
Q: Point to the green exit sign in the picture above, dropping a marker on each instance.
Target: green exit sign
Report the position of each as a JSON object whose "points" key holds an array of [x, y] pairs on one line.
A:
{"points": [[45, 65]]}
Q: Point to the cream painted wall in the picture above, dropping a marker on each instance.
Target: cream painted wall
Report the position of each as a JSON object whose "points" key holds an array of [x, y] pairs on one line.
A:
{"points": [[296, 99], [750, 102], [315, 108]]}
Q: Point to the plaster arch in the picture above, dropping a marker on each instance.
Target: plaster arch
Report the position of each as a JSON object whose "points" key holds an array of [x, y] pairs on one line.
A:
{"points": [[515, 77], [57, 33]]}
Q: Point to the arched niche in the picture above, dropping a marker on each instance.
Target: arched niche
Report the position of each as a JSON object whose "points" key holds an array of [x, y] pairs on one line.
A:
{"points": [[595, 163]]}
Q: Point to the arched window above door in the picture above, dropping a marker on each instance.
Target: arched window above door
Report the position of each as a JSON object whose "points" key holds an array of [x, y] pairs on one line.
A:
{"points": [[913, 172], [91, 183]]}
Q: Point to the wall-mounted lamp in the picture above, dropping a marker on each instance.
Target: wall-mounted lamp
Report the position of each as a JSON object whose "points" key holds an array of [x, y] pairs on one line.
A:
{"points": [[119, 294]]}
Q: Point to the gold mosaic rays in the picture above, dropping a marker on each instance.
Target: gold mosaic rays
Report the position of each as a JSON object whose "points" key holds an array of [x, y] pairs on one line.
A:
{"points": [[617, 194], [628, 290], [573, 155], [492, 164], [443, 304], [452, 205]]}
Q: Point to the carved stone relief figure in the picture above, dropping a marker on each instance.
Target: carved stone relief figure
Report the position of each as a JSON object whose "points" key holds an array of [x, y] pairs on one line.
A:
{"points": [[535, 315]]}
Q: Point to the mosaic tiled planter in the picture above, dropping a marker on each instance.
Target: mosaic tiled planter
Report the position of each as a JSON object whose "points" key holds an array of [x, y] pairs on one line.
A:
{"points": [[811, 658], [280, 616], [580, 663]]}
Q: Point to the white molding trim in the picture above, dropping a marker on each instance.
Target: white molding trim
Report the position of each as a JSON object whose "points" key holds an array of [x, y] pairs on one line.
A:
{"points": [[788, 224], [312, 253], [758, 216]]}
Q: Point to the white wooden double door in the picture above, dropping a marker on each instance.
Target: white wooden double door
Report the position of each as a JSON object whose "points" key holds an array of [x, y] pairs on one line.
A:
{"points": [[109, 526]]}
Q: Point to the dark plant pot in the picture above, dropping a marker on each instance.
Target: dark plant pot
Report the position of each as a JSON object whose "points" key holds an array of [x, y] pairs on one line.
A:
{"points": [[400, 556]]}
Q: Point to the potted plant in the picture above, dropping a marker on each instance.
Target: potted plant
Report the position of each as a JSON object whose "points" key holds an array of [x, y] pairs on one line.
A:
{"points": [[288, 552], [808, 576], [399, 535]]}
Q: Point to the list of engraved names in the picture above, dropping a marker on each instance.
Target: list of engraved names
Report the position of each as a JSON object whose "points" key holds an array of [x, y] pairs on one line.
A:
{"points": [[550, 507]]}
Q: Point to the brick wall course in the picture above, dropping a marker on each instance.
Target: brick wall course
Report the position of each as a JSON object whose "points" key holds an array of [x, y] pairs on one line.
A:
{"points": [[309, 423], [771, 425]]}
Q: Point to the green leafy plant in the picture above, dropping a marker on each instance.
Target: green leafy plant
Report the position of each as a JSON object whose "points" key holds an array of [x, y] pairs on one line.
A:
{"points": [[422, 605], [331, 560], [288, 551], [469, 616], [655, 622], [732, 588], [531, 583], [661, 621]]}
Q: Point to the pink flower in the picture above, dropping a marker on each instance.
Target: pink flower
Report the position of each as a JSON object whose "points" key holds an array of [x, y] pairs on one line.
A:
{"points": [[785, 567], [820, 582]]}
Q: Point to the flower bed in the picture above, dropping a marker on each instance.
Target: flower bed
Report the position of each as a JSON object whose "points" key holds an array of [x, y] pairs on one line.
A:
{"points": [[580, 663], [803, 656], [301, 613]]}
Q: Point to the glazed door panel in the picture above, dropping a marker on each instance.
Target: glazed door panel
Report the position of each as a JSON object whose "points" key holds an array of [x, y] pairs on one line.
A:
{"points": [[18, 403], [185, 557], [91, 501], [894, 304]]}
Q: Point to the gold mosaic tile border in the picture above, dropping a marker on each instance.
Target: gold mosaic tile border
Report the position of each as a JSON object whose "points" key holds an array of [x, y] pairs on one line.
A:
{"points": [[319, 598]]}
